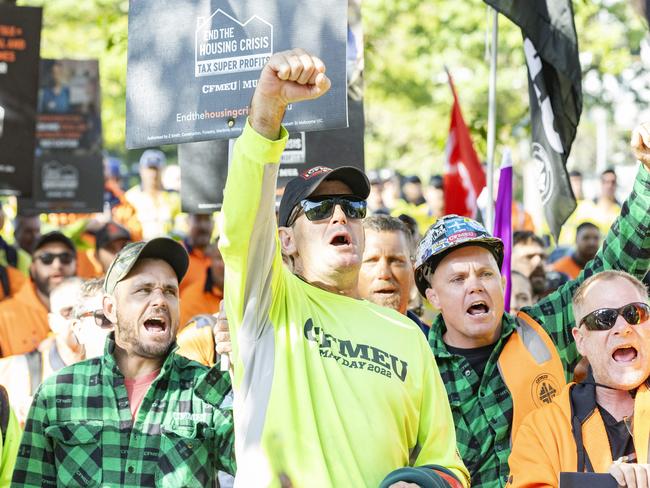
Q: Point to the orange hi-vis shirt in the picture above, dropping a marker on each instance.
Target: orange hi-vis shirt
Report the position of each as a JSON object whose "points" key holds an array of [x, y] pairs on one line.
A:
{"points": [[195, 300], [88, 266], [23, 322], [16, 281], [568, 266], [196, 342], [196, 271]]}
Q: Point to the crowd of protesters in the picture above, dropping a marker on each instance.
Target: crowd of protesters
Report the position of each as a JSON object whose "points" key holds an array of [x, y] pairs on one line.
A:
{"points": [[366, 331]]}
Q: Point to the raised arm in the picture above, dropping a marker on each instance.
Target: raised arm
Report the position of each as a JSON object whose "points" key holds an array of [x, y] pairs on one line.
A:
{"points": [[626, 247], [249, 241]]}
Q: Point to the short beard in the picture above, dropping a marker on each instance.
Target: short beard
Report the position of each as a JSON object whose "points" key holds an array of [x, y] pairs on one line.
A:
{"points": [[389, 301], [126, 336], [42, 284]]}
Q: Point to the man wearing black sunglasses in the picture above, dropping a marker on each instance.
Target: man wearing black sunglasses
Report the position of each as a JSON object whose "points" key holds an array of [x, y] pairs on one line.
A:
{"points": [[23, 317], [330, 390], [602, 424]]}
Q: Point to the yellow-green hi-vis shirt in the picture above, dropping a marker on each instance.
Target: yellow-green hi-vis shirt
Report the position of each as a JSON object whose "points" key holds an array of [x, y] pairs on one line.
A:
{"points": [[330, 391]]}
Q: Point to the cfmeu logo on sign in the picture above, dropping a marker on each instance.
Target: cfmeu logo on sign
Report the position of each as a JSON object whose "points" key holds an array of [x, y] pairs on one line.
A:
{"points": [[224, 45]]}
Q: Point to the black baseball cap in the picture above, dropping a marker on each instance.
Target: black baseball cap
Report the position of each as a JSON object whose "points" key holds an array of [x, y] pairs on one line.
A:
{"points": [[55, 236], [303, 185], [110, 232], [163, 248]]}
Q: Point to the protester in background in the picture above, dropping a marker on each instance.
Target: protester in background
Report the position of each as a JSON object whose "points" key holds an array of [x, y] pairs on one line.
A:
{"points": [[22, 374], [606, 205], [286, 328], [386, 273], [392, 188], [587, 244], [488, 369], [90, 327], [602, 424], [434, 194], [109, 241], [201, 227], [27, 232], [172, 431], [375, 201], [110, 238], [529, 259], [23, 317], [575, 178], [414, 205], [155, 208], [521, 293], [204, 296], [10, 434], [11, 279], [121, 211]]}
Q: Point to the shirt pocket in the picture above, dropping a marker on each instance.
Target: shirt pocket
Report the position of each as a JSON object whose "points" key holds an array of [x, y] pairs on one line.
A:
{"points": [[77, 452], [187, 456]]}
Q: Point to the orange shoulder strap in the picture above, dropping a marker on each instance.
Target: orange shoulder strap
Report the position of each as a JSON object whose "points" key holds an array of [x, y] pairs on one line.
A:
{"points": [[642, 423], [531, 369]]}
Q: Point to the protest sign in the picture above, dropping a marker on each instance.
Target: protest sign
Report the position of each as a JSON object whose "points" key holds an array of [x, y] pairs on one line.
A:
{"points": [[68, 171], [193, 65], [204, 167], [20, 37]]}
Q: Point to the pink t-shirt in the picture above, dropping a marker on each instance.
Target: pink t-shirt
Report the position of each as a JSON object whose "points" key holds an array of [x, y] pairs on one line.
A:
{"points": [[136, 389]]}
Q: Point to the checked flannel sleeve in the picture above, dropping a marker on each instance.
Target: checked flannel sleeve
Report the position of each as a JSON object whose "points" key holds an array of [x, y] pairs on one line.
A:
{"points": [[626, 247], [35, 464], [215, 388]]}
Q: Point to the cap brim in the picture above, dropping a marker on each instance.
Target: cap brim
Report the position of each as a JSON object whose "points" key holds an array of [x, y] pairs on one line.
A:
{"points": [[163, 248], [492, 244]]}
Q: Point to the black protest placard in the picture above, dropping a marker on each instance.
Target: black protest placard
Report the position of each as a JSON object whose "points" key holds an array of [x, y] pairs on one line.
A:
{"points": [[193, 66], [204, 167], [68, 170], [20, 38], [332, 148]]}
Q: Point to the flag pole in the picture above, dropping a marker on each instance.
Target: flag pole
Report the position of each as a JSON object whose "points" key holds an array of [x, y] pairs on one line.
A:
{"points": [[492, 116]]}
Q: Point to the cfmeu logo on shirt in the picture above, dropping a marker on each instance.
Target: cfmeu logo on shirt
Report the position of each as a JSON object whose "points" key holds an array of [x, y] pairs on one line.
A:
{"points": [[355, 356]]}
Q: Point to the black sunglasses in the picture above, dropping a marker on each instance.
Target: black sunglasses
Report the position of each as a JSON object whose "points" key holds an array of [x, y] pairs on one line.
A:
{"points": [[322, 207], [99, 318], [605, 318], [49, 257]]}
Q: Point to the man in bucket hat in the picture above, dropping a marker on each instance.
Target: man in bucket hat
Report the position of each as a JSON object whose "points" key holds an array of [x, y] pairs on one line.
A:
{"points": [[497, 367], [329, 389], [140, 415]]}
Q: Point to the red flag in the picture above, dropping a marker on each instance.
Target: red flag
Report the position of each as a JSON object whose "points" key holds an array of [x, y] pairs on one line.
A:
{"points": [[464, 177]]}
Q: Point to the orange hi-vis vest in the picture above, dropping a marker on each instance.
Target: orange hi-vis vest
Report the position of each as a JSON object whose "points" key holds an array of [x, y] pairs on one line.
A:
{"points": [[570, 436], [531, 369]]}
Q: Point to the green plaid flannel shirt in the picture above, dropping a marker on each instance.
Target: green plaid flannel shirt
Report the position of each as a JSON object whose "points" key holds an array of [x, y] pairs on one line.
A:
{"points": [[79, 431], [482, 406]]}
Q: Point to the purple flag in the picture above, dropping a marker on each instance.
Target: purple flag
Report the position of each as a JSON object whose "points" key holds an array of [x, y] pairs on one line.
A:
{"points": [[503, 219]]}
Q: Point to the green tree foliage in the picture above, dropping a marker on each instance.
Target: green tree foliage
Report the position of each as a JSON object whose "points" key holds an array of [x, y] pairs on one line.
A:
{"points": [[408, 44], [92, 29]]}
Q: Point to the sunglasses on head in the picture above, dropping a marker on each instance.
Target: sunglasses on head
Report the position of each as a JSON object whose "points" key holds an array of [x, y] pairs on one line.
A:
{"points": [[99, 318], [319, 208], [605, 318], [49, 257]]}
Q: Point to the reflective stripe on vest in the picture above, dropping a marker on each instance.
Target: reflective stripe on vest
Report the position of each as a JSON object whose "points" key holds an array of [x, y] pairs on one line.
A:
{"points": [[531, 369]]}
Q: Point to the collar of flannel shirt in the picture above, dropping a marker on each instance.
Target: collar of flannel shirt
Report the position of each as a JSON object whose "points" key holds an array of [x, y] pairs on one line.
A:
{"points": [[109, 359], [438, 329]]}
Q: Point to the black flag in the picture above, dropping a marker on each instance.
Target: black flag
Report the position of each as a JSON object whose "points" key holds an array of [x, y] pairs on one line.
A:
{"points": [[555, 91]]}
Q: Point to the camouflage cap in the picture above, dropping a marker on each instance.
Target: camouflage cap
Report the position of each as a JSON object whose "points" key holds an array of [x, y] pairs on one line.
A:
{"points": [[163, 248]]}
